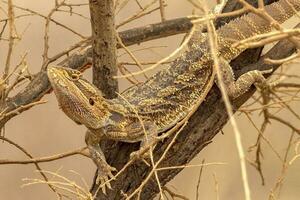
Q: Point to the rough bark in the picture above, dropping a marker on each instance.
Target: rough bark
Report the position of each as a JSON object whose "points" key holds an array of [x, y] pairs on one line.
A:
{"points": [[104, 47], [39, 86], [202, 127]]}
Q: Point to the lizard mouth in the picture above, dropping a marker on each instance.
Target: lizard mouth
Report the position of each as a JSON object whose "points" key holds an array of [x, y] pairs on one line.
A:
{"points": [[53, 73], [56, 77]]}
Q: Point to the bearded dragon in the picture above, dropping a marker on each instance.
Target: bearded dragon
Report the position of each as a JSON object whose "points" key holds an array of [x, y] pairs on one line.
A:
{"points": [[168, 96]]}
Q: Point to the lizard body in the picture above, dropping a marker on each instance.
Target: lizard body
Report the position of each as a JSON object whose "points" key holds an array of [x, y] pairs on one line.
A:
{"points": [[168, 96], [174, 90]]}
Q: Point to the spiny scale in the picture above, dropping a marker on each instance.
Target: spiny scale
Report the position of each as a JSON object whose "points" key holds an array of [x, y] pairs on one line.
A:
{"points": [[169, 95], [166, 97]]}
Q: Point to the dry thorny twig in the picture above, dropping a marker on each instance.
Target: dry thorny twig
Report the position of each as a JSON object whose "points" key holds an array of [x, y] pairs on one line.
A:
{"points": [[272, 100]]}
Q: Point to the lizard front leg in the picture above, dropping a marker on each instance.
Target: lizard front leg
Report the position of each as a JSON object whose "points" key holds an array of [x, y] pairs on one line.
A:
{"points": [[143, 131], [150, 133], [104, 169], [236, 88]]}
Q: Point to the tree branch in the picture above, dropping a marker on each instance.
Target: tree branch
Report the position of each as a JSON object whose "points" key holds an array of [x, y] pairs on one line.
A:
{"points": [[39, 86], [104, 47], [202, 127]]}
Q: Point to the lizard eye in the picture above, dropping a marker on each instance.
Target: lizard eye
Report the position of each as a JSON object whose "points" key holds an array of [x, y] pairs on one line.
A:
{"points": [[91, 101]]}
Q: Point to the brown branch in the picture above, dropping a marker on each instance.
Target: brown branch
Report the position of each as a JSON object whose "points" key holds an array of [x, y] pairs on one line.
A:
{"points": [[80, 151], [162, 10], [3, 28], [104, 47], [199, 180], [145, 11], [11, 19], [173, 194], [52, 20], [207, 121], [202, 127], [288, 124], [30, 156], [39, 86], [46, 34], [156, 31]]}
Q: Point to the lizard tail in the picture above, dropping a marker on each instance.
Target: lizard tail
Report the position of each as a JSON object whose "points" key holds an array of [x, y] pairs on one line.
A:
{"points": [[254, 24]]}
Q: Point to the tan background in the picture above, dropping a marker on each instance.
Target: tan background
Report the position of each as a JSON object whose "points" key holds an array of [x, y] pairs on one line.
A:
{"points": [[45, 130]]}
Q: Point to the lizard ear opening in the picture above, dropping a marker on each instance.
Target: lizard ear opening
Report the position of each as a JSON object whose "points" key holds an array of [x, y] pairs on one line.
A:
{"points": [[91, 101], [78, 123]]}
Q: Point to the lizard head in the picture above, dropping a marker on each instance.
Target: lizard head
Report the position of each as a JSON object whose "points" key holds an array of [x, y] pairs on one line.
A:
{"points": [[79, 100]]}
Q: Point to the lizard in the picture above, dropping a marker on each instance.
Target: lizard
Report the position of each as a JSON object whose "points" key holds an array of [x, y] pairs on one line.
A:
{"points": [[145, 110]]}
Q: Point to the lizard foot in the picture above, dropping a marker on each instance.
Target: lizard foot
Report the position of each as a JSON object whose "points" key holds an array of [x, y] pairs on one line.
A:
{"points": [[262, 83], [141, 154], [104, 177]]}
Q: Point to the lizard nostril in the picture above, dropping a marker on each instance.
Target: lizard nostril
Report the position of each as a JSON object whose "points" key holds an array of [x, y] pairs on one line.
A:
{"points": [[75, 77], [91, 101]]}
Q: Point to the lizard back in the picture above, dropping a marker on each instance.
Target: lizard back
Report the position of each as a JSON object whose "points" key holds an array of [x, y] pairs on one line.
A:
{"points": [[170, 94]]}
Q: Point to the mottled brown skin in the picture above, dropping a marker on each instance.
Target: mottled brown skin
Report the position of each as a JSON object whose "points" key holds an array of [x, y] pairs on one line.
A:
{"points": [[168, 96]]}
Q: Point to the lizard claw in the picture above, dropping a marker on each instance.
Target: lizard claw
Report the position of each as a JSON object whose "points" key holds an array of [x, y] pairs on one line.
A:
{"points": [[138, 155], [267, 71], [262, 83], [104, 177]]}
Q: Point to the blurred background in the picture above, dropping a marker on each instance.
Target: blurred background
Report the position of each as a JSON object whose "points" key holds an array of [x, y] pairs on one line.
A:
{"points": [[44, 130]]}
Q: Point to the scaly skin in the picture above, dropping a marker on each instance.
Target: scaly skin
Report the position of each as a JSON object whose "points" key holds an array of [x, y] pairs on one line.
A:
{"points": [[168, 96]]}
